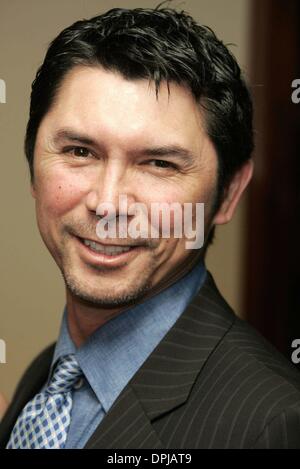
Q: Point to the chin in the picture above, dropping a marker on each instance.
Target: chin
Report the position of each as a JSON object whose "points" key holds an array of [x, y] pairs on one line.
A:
{"points": [[115, 296]]}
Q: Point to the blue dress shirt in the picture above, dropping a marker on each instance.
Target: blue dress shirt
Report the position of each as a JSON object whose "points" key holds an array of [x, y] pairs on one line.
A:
{"points": [[114, 352]]}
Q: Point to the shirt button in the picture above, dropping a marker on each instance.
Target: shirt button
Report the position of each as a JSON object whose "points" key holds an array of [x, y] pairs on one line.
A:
{"points": [[79, 384]]}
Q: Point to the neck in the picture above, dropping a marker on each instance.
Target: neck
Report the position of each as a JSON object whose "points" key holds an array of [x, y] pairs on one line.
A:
{"points": [[84, 318]]}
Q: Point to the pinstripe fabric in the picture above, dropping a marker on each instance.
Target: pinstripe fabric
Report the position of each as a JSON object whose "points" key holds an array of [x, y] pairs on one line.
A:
{"points": [[212, 382]]}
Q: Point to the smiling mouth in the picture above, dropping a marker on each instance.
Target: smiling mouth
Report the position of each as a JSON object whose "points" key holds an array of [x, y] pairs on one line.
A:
{"points": [[110, 250]]}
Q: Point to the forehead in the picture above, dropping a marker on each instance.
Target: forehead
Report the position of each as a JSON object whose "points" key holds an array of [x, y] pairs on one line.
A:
{"points": [[100, 101]]}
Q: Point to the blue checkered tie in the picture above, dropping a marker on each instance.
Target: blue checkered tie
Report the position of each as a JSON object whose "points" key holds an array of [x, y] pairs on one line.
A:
{"points": [[45, 420]]}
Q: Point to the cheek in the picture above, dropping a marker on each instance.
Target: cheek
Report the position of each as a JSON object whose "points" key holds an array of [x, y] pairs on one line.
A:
{"points": [[160, 206], [166, 209], [57, 195], [189, 217]]}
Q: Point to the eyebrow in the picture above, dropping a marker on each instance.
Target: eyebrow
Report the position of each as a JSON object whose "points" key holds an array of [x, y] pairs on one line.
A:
{"points": [[65, 134], [171, 150], [176, 151]]}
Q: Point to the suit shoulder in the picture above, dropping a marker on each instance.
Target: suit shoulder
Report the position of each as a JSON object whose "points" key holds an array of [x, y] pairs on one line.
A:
{"points": [[246, 395], [30, 383], [252, 381], [245, 340]]}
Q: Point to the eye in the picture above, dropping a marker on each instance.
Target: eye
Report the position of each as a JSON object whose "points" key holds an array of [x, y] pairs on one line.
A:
{"points": [[81, 152], [162, 164]]}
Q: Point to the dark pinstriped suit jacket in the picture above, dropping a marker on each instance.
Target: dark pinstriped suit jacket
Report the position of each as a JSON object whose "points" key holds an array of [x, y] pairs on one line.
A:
{"points": [[212, 382]]}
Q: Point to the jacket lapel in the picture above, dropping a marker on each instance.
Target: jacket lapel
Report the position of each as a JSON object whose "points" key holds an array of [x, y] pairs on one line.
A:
{"points": [[165, 380], [125, 426]]}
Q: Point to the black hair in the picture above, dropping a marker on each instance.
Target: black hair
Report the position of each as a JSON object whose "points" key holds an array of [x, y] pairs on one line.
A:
{"points": [[159, 44]]}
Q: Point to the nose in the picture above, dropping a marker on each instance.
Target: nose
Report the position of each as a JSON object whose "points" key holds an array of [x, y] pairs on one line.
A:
{"points": [[108, 188]]}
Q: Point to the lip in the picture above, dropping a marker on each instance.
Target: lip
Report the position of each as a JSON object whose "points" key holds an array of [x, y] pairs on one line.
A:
{"points": [[98, 258]]}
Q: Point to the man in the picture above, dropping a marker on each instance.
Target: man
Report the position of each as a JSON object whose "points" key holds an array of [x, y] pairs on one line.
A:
{"points": [[148, 105]]}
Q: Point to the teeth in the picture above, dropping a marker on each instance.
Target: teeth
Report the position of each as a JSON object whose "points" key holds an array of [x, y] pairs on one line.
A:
{"points": [[110, 250]]}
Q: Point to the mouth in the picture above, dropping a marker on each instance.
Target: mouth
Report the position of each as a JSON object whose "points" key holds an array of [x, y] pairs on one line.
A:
{"points": [[97, 253]]}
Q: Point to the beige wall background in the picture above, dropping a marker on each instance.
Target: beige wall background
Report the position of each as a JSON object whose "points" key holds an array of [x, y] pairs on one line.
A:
{"points": [[32, 290]]}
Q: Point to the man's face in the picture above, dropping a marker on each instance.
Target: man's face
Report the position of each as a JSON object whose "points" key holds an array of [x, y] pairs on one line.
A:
{"points": [[98, 141]]}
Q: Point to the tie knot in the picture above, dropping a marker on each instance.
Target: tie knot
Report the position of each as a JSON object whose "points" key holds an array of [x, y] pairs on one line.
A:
{"points": [[66, 374]]}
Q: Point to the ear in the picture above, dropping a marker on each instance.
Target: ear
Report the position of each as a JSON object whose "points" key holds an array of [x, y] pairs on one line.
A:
{"points": [[233, 194]]}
